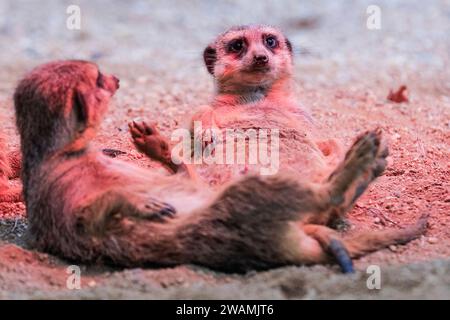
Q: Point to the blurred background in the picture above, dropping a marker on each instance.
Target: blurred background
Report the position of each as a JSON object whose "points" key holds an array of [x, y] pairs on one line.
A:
{"points": [[332, 41]]}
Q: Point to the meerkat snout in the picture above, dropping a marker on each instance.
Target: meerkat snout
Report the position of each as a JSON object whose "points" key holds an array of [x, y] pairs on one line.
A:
{"points": [[260, 60], [109, 83]]}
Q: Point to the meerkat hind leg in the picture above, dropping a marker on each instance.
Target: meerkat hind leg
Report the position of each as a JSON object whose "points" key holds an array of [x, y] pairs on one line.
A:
{"points": [[268, 226], [364, 161], [343, 249]]}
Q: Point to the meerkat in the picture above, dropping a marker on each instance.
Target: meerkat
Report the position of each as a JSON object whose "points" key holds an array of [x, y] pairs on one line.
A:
{"points": [[86, 207], [9, 169], [252, 68], [253, 72]]}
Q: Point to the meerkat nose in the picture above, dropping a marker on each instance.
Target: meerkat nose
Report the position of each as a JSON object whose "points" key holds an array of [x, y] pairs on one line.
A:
{"points": [[260, 59]]}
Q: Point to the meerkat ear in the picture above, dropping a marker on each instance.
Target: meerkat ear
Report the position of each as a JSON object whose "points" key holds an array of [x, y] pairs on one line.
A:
{"points": [[83, 102], [79, 106], [210, 58], [289, 45]]}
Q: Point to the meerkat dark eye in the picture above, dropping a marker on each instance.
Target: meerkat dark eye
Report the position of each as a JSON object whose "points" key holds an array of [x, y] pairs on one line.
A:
{"points": [[271, 42], [236, 45]]}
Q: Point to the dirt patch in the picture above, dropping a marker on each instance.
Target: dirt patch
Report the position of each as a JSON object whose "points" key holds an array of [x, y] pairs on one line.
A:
{"points": [[26, 274]]}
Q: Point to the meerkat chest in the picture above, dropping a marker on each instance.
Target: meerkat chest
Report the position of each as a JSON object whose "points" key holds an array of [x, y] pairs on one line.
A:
{"points": [[261, 115]]}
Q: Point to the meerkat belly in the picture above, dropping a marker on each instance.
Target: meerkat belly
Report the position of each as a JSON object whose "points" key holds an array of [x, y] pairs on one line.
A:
{"points": [[254, 140], [146, 186]]}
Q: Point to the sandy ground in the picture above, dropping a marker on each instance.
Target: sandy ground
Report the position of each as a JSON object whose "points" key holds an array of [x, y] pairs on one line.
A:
{"points": [[343, 71]]}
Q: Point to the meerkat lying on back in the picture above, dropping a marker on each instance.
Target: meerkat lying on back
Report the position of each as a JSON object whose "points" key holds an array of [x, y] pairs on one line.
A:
{"points": [[86, 207]]}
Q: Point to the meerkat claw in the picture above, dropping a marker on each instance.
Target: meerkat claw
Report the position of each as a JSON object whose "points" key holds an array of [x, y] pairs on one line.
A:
{"points": [[158, 210]]}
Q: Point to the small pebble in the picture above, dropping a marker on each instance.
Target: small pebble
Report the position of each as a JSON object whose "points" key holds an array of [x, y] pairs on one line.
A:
{"points": [[396, 136], [432, 240], [396, 194], [377, 220], [393, 248], [92, 283], [142, 79]]}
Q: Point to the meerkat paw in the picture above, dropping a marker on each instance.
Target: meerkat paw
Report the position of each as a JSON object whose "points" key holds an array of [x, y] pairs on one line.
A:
{"points": [[376, 166], [156, 210], [369, 152], [363, 150], [364, 161], [149, 141]]}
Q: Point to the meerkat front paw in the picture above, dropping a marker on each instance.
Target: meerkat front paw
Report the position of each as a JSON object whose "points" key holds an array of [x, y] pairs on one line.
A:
{"points": [[157, 210], [154, 210], [148, 140]]}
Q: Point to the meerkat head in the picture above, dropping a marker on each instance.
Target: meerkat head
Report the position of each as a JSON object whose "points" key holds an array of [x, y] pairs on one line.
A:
{"points": [[249, 56], [61, 104]]}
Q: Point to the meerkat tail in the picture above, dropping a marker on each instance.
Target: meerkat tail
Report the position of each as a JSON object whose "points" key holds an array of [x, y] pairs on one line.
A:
{"points": [[366, 242], [342, 256]]}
